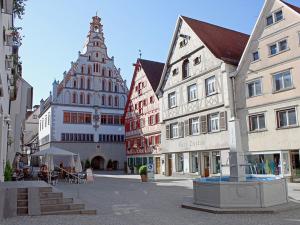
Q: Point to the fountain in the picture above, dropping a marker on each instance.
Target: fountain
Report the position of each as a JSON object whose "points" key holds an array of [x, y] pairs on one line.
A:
{"points": [[239, 190]]}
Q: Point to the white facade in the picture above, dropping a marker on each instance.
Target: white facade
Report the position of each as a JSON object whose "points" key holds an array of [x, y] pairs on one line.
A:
{"points": [[84, 113], [268, 85], [195, 101]]}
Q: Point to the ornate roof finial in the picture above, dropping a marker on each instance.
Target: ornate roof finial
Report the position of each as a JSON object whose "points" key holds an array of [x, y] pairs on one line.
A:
{"points": [[140, 53]]}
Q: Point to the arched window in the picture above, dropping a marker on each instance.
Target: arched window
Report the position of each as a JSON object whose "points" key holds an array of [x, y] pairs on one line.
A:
{"points": [[88, 99], [103, 100], [116, 88], [97, 68], [110, 100], [67, 97], [82, 69], [81, 83], [116, 101], [74, 98], [185, 69], [109, 85], [97, 55], [103, 85], [88, 84], [94, 67], [89, 70], [74, 84], [103, 72], [81, 98], [109, 73]]}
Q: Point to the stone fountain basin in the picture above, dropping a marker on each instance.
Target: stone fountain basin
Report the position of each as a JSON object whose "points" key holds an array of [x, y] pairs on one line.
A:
{"points": [[256, 192]]}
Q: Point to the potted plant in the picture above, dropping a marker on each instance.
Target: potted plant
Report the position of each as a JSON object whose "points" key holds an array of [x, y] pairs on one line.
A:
{"points": [[8, 172], [143, 173], [109, 165]]}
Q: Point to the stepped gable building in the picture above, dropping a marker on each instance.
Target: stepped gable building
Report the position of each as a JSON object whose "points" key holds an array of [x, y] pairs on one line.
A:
{"points": [[142, 117], [195, 97], [268, 91], [84, 112]]}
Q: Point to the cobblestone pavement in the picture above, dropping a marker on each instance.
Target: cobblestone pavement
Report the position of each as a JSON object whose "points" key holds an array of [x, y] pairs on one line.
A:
{"points": [[124, 200]]}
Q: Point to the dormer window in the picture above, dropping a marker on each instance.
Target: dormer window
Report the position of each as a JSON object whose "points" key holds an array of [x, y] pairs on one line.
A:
{"points": [[185, 69], [255, 56]]}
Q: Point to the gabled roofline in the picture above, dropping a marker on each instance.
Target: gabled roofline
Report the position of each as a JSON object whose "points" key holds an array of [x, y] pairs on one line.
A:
{"points": [[260, 17], [157, 91]]}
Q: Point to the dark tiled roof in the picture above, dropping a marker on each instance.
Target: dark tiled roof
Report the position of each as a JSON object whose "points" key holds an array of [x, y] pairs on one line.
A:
{"points": [[297, 9], [153, 71], [227, 45]]}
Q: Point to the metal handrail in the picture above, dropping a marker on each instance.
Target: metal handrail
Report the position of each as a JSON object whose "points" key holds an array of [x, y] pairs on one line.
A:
{"points": [[62, 169]]}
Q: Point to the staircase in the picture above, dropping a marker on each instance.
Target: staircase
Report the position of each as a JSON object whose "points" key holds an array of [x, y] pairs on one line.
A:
{"points": [[22, 202], [53, 203]]}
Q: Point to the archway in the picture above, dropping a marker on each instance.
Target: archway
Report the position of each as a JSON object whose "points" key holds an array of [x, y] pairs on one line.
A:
{"points": [[98, 163]]}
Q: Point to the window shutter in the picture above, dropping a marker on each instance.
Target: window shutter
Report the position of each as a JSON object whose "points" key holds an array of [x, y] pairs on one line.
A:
{"points": [[187, 127], [167, 131], [203, 121], [181, 129], [223, 120]]}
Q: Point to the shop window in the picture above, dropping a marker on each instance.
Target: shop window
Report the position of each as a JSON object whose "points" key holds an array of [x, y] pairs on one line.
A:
{"points": [[194, 162], [180, 162], [216, 162]]}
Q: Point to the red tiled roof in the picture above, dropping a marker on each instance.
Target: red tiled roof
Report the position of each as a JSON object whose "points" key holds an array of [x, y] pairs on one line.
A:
{"points": [[297, 9], [227, 45], [153, 71]]}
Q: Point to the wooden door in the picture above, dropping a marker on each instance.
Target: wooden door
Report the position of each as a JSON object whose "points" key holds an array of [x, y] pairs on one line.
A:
{"points": [[169, 166], [157, 165]]}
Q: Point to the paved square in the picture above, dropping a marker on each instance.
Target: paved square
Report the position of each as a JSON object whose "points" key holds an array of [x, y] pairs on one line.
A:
{"points": [[124, 200]]}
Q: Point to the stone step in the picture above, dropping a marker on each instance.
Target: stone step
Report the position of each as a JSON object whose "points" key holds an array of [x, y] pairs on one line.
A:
{"points": [[61, 207], [45, 195], [22, 203], [53, 201], [22, 190], [45, 189], [21, 211], [22, 196], [68, 212]]}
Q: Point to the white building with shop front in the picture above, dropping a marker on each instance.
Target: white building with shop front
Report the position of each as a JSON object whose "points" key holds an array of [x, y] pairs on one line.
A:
{"points": [[268, 87], [194, 95], [84, 112]]}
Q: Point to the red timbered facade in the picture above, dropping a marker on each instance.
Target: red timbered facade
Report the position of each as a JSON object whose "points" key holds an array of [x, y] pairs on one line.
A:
{"points": [[142, 119]]}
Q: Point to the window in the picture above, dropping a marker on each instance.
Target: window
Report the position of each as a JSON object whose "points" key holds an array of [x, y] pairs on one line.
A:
{"points": [[254, 88], [185, 69], [74, 83], [194, 161], [210, 85], [195, 128], [80, 117], [151, 99], [103, 119], [88, 99], [88, 84], [172, 100], [197, 60], [67, 117], [257, 122], [255, 56], [116, 101], [110, 100], [286, 118], [192, 92], [49, 115], [278, 15], [175, 71], [74, 98], [174, 133], [278, 47], [103, 100], [270, 20], [180, 162], [275, 17], [73, 117], [282, 80], [88, 118], [81, 98], [183, 43], [213, 122]]}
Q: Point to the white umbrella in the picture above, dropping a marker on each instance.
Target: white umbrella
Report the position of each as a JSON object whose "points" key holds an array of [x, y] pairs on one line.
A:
{"points": [[54, 151], [78, 166]]}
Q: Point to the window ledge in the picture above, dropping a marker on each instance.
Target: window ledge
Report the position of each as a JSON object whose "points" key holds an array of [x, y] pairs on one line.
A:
{"points": [[257, 131], [289, 127], [250, 97], [253, 62], [276, 22], [194, 100], [278, 53], [212, 94], [283, 90]]}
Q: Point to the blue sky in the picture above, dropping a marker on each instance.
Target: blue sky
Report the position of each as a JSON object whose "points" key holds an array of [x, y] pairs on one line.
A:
{"points": [[55, 31]]}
